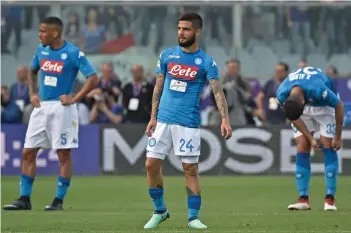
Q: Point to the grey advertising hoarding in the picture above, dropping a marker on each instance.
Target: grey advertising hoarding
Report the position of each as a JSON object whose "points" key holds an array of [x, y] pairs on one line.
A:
{"points": [[250, 151]]}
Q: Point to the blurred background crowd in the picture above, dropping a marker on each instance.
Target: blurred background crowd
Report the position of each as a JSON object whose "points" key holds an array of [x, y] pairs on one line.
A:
{"points": [[255, 46]]}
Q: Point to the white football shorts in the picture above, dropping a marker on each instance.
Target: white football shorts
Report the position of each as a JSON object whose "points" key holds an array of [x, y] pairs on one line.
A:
{"points": [[176, 140], [53, 125], [316, 119]]}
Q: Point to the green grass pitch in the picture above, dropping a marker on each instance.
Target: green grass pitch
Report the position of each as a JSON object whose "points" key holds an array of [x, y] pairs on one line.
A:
{"points": [[113, 204]]}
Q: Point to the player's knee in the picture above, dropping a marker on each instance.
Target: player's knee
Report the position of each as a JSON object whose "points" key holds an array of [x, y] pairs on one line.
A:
{"points": [[303, 145], [152, 166], [29, 155], [64, 156], [326, 142], [190, 170]]}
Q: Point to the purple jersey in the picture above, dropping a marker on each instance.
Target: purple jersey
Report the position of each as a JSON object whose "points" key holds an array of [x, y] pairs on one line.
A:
{"points": [[185, 77], [58, 69]]}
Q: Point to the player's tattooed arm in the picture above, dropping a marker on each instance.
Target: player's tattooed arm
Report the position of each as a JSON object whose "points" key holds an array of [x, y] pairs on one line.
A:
{"points": [[221, 101], [32, 81], [156, 96]]}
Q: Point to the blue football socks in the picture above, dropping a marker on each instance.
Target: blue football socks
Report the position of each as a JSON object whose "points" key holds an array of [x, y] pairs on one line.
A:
{"points": [[62, 187], [194, 204], [26, 185], [156, 195], [303, 173], [330, 170]]}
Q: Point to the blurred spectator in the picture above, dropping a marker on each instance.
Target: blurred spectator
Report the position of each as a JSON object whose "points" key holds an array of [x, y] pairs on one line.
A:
{"points": [[109, 81], [266, 101], [11, 18], [72, 31], [93, 33], [105, 109], [137, 97], [116, 19], [19, 91], [10, 112], [332, 72], [236, 91], [42, 11], [302, 64], [298, 21], [155, 23]]}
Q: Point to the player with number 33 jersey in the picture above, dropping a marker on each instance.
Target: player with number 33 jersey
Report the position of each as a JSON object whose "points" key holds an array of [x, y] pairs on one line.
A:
{"points": [[310, 102]]}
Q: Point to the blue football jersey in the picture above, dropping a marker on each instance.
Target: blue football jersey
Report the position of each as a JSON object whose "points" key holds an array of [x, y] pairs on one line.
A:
{"points": [[185, 77], [58, 69], [318, 88]]}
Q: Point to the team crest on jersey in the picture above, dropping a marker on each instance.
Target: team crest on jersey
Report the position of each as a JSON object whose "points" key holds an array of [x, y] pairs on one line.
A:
{"points": [[64, 56], [325, 94], [182, 71], [198, 61]]}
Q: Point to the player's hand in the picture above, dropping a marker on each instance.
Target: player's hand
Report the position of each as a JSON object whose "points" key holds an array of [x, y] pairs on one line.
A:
{"points": [[150, 128], [66, 99], [226, 129], [315, 145], [35, 100], [336, 144]]}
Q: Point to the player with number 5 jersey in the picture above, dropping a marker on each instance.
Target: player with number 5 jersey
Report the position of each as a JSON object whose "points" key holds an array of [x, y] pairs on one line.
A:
{"points": [[310, 102], [54, 120], [182, 71]]}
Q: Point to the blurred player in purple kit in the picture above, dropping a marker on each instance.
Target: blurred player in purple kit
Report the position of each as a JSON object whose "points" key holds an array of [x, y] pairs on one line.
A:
{"points": [[54, 120], [174, 127]]}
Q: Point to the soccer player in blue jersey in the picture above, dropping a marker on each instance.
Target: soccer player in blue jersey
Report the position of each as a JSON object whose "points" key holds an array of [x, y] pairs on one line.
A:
{"points": [[54, 120], [310, 102], [182, 72]]}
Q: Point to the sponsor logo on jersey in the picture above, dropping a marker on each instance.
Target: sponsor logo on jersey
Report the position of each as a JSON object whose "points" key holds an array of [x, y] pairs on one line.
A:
{"points": [[51, 66], [182, 71]]}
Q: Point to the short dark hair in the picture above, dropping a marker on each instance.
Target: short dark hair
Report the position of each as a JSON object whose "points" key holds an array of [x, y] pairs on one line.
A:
{"points": [[237, 61], [286, 66], [53, 21], [194, 18], [293, 107], [335, 70]]}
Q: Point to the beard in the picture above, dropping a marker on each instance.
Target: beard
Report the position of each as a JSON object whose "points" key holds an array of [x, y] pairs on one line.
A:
{"points": [[188, 42]]}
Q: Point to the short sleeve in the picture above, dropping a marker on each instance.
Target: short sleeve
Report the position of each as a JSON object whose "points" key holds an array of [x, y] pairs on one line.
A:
{"points": [[327, 97], [84, 65], [35, 62], [161, 67], [211, 69], [281, 95]]}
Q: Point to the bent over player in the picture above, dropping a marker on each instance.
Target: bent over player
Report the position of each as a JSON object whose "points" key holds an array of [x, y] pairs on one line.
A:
{"points": [[182, 72], [310, 102], [54, 120]]}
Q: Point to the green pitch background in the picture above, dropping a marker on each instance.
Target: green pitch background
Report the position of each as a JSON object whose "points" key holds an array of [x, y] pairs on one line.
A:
{"points": [[114, 204]]}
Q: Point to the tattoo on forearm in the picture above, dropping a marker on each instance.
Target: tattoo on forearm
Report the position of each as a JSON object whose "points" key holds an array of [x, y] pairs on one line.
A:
{"points": [[156, 96], [221, 101]]}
